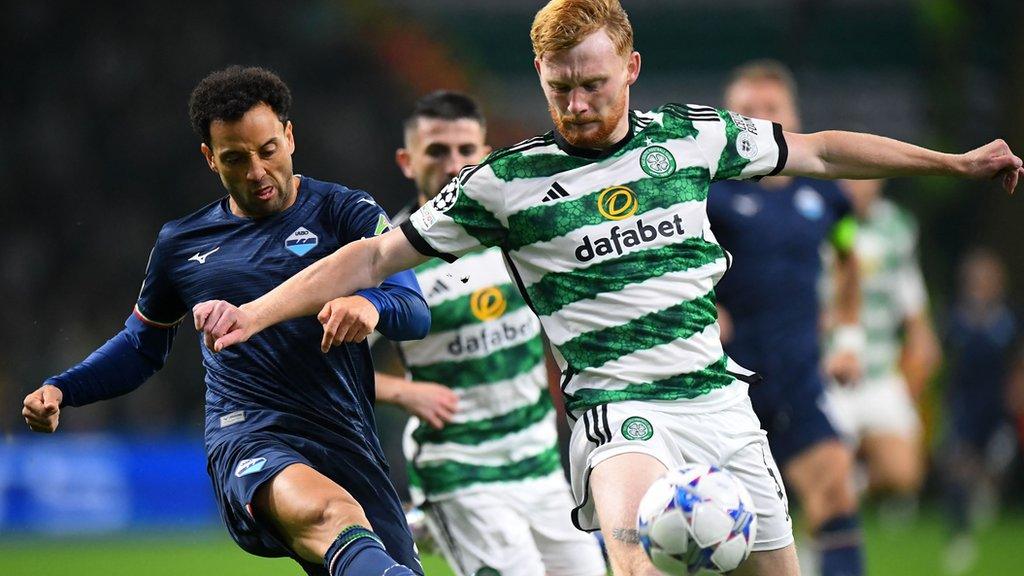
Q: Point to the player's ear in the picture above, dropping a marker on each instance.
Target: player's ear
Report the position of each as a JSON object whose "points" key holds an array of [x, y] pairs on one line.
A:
{"points": [[632, 67], [404, 161], [536, 65], [208, 154], [289, 136], [486, 149]]}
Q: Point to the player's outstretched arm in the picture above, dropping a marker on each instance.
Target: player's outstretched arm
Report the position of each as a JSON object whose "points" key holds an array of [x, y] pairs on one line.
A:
{"points": [[362, 264], [836, 154]]}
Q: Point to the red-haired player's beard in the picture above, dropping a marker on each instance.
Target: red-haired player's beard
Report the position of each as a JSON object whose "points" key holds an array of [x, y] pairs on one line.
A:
{"points": [[580, 131]]}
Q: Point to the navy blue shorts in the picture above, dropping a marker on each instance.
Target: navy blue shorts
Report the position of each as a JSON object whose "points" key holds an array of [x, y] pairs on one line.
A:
{"points": [[239, 466], [791, 407]]}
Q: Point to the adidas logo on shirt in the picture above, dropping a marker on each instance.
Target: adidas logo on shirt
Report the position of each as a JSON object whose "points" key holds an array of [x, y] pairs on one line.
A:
{"points": [[555, 193], [439, 288]]}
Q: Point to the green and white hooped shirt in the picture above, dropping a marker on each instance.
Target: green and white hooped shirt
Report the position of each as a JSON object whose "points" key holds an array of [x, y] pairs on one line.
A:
{"points": [[485, 344], [892, 287], [613, 249]]}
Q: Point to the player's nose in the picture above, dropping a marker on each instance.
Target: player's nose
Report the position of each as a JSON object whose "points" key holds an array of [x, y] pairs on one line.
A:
{"points": [[453, 165], [577, 103], [256, 171]]}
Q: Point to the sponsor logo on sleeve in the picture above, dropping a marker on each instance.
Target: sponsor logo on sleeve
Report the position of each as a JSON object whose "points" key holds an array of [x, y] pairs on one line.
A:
{"points": [[382, 225], [743, 123], [249, 466], [746, 145], [424, 218]]}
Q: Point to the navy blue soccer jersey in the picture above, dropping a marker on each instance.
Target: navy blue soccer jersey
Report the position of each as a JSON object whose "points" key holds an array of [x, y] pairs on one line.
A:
{"points": [[981, 344], [279, 379], [774, 237]]}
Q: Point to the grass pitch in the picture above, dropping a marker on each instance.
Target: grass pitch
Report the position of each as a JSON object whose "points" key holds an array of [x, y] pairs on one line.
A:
{"points": [[915, 548]]}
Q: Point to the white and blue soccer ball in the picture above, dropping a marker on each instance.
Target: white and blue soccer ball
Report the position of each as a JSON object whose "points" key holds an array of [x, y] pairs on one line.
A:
{"points": [[697, 519]]}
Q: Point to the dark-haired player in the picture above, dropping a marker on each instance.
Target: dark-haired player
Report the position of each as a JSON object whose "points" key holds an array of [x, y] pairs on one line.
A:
{"points": [[290, 434], [483, 451]]}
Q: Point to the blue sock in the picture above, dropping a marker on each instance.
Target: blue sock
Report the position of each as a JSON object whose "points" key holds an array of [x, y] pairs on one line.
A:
{"points": [[358, 552], [840, 543]]}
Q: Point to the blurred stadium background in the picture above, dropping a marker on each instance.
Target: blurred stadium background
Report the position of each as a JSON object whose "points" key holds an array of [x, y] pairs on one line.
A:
{"points": [[97, 152]]}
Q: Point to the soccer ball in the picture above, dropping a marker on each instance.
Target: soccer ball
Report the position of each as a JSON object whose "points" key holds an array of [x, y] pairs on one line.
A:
{"points": [[697, 519]]}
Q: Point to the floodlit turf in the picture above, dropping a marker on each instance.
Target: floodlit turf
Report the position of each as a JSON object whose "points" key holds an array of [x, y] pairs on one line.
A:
{"points": [[914, 549]]}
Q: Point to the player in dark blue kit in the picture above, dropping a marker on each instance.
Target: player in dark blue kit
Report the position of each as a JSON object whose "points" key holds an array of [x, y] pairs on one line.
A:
{"points": [[290, 434], [981, 336], [769, 313]]}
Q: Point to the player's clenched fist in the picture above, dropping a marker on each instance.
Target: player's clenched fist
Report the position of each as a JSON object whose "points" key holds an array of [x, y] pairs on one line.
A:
{"points": [[42, 408], [347, 319], [994, 160], [223, 324]]}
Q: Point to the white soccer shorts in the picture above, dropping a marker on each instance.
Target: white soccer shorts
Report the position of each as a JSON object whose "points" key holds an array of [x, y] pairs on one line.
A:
{"points": [[520, 529], [671, 432], [880, 406]]}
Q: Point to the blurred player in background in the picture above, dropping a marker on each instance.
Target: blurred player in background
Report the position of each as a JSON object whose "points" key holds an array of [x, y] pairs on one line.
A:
{"points": [[769, 312], [878, 412], [483, 450], [981, 339], [604, 227], [290, 435]]}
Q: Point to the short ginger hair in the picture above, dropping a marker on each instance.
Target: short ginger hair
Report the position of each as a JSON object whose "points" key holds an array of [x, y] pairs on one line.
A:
{"points": [[562, 24]]}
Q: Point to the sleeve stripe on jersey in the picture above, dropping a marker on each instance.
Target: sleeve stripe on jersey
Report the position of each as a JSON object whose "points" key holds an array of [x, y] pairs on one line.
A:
{"points": [[697, 109], [421, 245], [142, 317], [694, 113], [467, 171], [780, 141]]}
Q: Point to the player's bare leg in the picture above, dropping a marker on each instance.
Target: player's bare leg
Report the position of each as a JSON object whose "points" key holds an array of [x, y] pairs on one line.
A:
{"points": [[308, 510], [894, 463], [770, 562], [822, 478], [617, 486]]}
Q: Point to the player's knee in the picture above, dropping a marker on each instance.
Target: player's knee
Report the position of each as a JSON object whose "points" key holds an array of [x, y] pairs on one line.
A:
{"points": [[324, 516], [836, 492], [337, 513], [903, 478]]}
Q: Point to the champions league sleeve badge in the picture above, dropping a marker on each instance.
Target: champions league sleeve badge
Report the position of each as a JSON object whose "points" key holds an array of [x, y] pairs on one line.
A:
{"points": [[446, 198], [428, 214]]}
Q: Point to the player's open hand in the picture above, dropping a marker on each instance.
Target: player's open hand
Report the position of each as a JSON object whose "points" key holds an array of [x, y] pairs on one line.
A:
{"points": [[42, 409], [223, 324], [994, 160], [433, 403], [347, 319]]}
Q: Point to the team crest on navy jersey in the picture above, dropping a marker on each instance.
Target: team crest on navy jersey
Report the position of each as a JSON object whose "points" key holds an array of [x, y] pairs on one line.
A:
{"points": [[809, 203], [249, 466], [301, 241]]}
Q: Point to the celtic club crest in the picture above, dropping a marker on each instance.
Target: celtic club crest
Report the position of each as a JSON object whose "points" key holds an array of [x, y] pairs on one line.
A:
{"points": [[658, 162], [637, 428]]}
